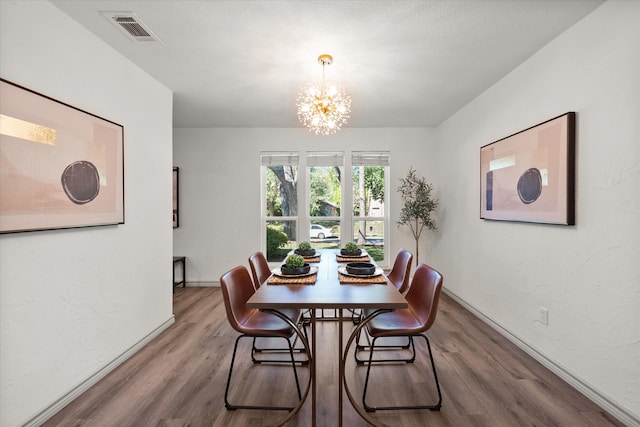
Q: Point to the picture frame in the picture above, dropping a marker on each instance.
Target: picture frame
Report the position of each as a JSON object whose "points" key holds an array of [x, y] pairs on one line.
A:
{"points": [[176, 198], [60, 167], [530, 176]]}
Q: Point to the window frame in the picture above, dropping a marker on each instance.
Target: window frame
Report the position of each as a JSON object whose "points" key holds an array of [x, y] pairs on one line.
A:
{"points": [[373, 158], [347, 220], [269, 158]]}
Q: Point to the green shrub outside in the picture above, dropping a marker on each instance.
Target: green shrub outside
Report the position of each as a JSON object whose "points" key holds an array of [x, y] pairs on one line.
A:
{"points": [[275, 240]]}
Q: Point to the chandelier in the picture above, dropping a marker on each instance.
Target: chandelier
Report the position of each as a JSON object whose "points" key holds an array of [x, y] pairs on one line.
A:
{"points": [[323, 108]]}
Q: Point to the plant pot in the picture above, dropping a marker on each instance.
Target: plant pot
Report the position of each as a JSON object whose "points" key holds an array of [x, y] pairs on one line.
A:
{"points": [[306, 254], [294, 271], [361, 268], [357, 252]]}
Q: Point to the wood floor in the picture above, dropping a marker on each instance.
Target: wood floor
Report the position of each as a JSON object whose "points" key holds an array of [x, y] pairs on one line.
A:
{"points": [[179, 379]]}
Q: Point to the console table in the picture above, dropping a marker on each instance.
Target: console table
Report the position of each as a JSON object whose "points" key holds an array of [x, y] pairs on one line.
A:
{"points": [[179, 260]]}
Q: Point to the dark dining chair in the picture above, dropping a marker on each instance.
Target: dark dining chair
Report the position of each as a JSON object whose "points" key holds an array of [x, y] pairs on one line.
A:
{"points": [[399, 276], [261, 271], [401, 271], [259, 268], [423, 296], [237, 288]]}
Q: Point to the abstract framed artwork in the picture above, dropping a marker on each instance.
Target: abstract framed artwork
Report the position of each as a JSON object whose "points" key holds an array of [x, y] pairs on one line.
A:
{"points": [[530, 176], [60, 167], [176, 199]]}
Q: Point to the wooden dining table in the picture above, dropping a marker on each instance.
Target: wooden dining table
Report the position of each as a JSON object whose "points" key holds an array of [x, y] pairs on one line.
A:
{"points": [[330, 290]]}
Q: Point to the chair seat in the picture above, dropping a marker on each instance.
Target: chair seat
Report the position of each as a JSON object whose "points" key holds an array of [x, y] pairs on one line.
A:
{"points": [[261, 324], [396, 323]]}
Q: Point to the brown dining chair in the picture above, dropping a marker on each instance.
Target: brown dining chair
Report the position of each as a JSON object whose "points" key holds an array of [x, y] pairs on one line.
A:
{"points": [[401, 270], [261, 271], [399, 276], [237, 288], [423, 296], [259, 268]]}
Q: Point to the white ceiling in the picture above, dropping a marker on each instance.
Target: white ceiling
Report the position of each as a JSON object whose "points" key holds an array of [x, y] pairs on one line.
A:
{"points": [[405, 63]]}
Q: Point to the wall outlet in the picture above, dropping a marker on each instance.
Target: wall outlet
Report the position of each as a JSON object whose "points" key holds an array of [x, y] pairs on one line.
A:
{"points": [[543, 315]]}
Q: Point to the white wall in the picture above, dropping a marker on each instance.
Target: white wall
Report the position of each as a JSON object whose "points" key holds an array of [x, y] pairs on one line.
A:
{"points": [[64, 315], [220, 186], [587, 275], [72, 301]]}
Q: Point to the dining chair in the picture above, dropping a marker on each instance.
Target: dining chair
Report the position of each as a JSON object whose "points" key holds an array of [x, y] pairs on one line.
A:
{"points": [[399, 276], [423, 296], [261, 271], [401, 270], [237, 288], [259, 268]]}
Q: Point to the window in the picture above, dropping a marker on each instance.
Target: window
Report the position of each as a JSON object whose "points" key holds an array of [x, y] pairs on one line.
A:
{"points": [[280, 203], [369, 213], [324, 198], [332, 212]]}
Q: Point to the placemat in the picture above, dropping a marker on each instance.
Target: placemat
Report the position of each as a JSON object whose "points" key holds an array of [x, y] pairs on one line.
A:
{"points": [[353, 259], [305, 280], [312, 260], [351, 280]]}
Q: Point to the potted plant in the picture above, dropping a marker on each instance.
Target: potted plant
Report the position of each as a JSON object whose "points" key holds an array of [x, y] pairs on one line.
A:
{"points": [[305, 249], [294, 265], [418, 205], [351, 249]]}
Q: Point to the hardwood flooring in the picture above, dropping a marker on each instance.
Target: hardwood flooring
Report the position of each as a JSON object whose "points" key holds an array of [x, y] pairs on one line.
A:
{"points": [[179, 379]]}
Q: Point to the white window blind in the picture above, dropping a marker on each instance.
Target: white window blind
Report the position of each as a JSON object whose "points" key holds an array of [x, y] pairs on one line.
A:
{"points": [[275, 159], [370, 158], [325, 159]]}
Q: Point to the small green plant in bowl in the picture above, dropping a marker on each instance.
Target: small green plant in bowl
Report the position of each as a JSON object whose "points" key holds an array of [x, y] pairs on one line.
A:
{"points": [[304, 246], [295, 265], [295, 261], [351, 249], [305, 249]]}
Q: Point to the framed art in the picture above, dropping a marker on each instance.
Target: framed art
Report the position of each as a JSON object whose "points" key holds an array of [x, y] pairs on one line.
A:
{"points": [[176, 217], [60, 167], [530, 175]]}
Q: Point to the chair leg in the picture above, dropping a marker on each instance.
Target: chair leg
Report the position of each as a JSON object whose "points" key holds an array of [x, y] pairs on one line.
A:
{"points": [[233, 407], [410, 344], [360, 347], [433, 407], [366, 380], [356, 316], [255, 349]]}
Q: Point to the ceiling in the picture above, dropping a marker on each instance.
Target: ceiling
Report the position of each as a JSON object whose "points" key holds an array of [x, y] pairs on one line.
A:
{"points": [[404, 63]]}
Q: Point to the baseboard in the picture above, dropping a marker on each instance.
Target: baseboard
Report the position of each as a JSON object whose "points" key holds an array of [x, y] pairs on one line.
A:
{"points": [[203, 284], [589, 391], [55, 407]]}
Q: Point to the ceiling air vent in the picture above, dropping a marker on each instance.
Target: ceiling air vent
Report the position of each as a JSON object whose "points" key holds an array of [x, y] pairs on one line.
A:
{"points": [[131, 25]]}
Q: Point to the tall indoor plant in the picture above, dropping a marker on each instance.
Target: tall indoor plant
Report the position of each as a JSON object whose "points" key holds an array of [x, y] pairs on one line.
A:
{"points": [[418, 205]]}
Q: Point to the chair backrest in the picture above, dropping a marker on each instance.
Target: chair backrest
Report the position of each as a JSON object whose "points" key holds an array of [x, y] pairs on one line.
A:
{"points": [[237, 288], [400, 272], [259, 269], [424, 293]]}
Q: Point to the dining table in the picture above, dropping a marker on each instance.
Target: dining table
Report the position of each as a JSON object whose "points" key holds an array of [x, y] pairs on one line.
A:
{"points": [[328, 286]]}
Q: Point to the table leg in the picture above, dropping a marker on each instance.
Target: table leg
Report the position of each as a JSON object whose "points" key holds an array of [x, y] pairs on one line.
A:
{"points": [[340, 369], [309, 349], [313, 367]]}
